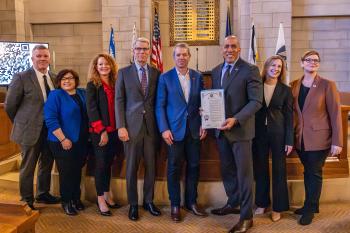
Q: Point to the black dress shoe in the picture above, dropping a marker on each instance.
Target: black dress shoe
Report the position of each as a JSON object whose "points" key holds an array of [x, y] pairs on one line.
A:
{"points": [[299, 211], [69, 209], [175, 213], [114, 206], [194, 208], [133, 213], [152, 209], [47, 198], [31, 206], [78, 205], [306, 219], [226, 209], [242, 226], [103, 213]]}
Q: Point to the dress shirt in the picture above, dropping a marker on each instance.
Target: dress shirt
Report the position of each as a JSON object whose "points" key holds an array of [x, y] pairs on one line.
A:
{"points": [[139, 71], [224, 68], [40, 78], [185, 83]]}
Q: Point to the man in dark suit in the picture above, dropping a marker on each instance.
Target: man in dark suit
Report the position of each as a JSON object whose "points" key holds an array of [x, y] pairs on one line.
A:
{"points": [[24, 103], [243, 97], [177, 112], [135, 119]]}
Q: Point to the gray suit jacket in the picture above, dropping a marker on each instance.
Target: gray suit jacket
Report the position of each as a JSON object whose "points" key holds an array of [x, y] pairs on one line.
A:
{"points": [[131, 106], [24, 105], [243, 98]]}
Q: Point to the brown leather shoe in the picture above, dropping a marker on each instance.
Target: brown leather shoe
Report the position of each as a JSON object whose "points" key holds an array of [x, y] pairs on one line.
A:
{"points": [[175, 213], [194, 208], [226, 209], [242, 226]]}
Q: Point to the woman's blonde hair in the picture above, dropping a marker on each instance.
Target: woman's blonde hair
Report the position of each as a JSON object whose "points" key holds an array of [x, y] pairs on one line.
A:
{"points": [[268, 62], [93, 74]]}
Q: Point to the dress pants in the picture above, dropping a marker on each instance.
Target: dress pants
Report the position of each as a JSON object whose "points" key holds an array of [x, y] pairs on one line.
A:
{"points": [[237, 174], [262, 145], [187, 149], [104, 156], [69, 164], [31, 155], [313, 162], [141, 145]]}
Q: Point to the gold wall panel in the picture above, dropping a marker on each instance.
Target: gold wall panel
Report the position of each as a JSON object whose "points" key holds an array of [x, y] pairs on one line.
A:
{"points": [[195, 22]]}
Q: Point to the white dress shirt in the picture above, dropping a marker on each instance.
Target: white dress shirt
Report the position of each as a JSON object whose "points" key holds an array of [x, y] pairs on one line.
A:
{"points": [[185, 83], [40, 78]]}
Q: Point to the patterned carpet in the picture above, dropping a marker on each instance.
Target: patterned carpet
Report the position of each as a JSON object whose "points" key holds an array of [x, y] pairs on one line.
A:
{"points": [[334, 218]]}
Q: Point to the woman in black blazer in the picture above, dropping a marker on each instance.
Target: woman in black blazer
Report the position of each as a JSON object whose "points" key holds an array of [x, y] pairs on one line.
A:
{"points": [[100, 96], [273, 132]]}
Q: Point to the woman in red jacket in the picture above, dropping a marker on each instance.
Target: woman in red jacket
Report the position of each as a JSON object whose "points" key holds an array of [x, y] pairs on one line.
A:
{"points": [[100, 108]]}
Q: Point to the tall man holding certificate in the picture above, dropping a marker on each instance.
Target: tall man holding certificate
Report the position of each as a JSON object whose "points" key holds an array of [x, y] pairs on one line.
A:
{"points": [[243, 93], [177, 113]]}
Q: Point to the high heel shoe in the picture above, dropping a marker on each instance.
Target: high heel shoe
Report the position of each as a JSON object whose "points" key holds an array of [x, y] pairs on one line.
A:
{"points": [[103, 213], [114, 206]]}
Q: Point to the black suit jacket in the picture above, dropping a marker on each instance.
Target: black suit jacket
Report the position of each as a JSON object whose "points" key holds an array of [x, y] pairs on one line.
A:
{"points": [[97, 104], [243, 98], [279, 115]]}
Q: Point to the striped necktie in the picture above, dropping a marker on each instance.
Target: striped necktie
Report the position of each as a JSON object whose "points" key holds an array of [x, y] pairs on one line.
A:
{"points": [[143, 80]]}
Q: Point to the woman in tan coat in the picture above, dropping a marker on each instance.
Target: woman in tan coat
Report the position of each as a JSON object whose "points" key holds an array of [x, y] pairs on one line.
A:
{"points": [[318, 130]]}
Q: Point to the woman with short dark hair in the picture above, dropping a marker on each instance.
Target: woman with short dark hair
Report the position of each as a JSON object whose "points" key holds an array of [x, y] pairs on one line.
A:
{"points": [[67, 123], [318, 129]]}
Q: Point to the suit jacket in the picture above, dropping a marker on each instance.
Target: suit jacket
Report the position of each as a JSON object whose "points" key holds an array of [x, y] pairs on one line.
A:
{"points": [[97, 107], [279, 115], [243, 98], [24, 105], [319, 124], [61, 111], [172, 111], [131, 106]]}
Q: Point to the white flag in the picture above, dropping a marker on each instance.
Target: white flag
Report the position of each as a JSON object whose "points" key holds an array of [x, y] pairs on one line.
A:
{"points": [[281, 44], [253, 51], [134, 37]]}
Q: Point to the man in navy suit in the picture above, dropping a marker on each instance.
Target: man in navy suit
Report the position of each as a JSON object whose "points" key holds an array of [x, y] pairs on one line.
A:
{"points": [[179, 121], [243, 97]]}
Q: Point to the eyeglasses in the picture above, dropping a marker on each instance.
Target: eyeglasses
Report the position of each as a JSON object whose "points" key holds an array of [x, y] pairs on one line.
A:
{"points": [[67, 78], [139, 49], [309, 60]]}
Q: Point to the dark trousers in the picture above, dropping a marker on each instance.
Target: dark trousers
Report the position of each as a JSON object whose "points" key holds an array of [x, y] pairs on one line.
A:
{"points": [[69, 164], [262, 145], [104, 156], [237, 174], [142, 145], [31, 155], [313, 162], [187, 149]]}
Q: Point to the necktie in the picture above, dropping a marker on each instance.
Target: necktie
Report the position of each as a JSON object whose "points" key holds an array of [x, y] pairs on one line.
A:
{"points": [[226, 76], [47, 88], [143, 80]]}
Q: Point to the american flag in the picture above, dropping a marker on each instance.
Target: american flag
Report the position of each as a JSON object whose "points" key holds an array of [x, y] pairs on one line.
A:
{"points": [[156, 57]]}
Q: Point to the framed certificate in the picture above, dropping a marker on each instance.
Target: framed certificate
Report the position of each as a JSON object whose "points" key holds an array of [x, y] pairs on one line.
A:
{"points": [[213, 108]]}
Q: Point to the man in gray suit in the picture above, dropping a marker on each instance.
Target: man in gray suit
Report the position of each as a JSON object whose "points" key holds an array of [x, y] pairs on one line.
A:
{"points": [[135, 119], [243, 97], [24, 103]]}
